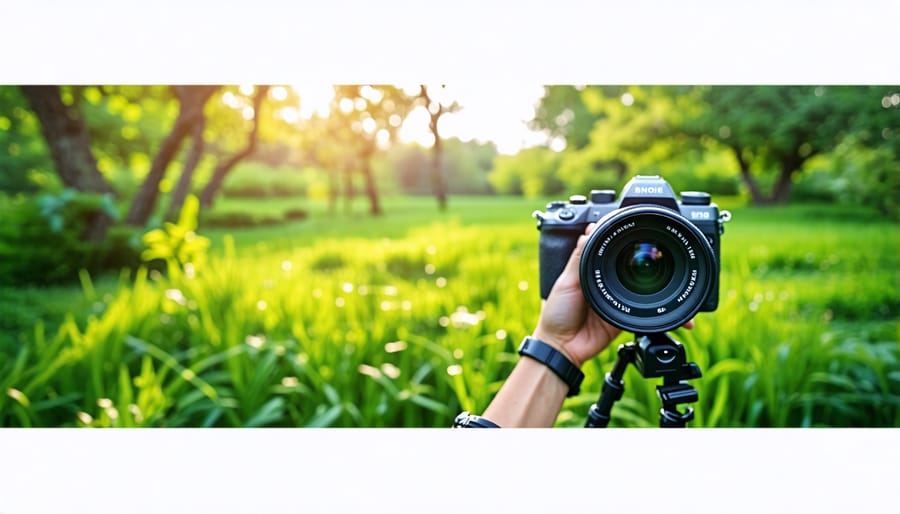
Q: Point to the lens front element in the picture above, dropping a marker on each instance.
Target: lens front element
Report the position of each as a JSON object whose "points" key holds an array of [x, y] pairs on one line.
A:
{"points": [[645, 268]]}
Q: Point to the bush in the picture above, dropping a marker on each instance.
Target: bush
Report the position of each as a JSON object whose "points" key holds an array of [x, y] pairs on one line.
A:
{"points": [[228, 219], [43, 238], [254, 180], [296, 214]]}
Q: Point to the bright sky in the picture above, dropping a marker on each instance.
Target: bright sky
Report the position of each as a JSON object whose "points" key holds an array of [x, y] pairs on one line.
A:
{"points": [[489, 112]]}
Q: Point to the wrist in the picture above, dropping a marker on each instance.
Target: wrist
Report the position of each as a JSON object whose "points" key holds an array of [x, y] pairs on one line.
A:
{"points": [[559, 344], [558, 362]]}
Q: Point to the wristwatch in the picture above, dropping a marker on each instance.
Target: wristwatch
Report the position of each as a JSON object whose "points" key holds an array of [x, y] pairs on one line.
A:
{"points": [[555, 360], [466, 420]]}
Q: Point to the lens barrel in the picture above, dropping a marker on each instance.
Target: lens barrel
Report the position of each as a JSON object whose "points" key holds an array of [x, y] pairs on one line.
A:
{"points": [[646, 269]]}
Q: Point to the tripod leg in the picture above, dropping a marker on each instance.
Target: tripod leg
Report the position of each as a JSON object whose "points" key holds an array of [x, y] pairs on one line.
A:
{"points": [[613, 388]]}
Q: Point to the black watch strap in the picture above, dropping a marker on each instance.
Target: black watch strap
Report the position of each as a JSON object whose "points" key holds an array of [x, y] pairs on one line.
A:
{"points": [[555, 360]]}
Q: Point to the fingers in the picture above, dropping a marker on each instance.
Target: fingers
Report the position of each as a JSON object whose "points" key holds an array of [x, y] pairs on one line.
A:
{"points": [[569, 275]]}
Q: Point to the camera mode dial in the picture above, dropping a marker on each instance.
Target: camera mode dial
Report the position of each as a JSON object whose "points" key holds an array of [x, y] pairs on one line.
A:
{"points": [[603, 195], [695, 198]]}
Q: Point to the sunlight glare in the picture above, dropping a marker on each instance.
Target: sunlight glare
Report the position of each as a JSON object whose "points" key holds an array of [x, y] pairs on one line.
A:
{"points": [[230, 100], [279, 93], [415, 128], [410, 89], [346, 105], [369, 125], [360, 104], [558, 144], [289, 114], [247, 113], [371, 94], [383, 139], [627, 100], [314, 99], [246, 89]]}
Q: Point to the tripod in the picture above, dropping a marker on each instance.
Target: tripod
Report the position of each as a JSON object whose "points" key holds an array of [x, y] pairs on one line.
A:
{"points": [[654, 355]]}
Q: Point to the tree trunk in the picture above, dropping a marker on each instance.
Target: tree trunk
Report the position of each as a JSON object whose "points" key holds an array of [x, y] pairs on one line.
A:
{"points": [[371, 189], [439, 185], [437, 172], [221, 171], [333, 193], [67, 137], [756, 194], [190, 164], [349, 193], [192, 100]]}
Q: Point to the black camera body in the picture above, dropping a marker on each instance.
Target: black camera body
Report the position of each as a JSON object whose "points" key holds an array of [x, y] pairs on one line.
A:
{"points": [[651, 263]]}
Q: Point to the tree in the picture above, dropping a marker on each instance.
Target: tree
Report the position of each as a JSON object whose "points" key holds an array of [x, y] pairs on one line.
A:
{"points": [[437, 107], [67, 138], [182, 189], [25, 161], [532, 172], [367, 118], [66, 135], [191, 101], [634, 130], [562, 113], [218, 176], [773, 131]]}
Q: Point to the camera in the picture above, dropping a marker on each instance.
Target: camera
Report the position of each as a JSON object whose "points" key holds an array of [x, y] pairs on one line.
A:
{"points": [[653, 261]]}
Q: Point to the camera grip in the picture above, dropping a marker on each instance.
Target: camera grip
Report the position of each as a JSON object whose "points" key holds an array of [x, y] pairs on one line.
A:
{"points": [[554, 251]]}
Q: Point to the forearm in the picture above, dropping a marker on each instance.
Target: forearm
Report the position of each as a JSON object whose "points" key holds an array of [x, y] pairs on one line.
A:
{"points": [[532, 396]]}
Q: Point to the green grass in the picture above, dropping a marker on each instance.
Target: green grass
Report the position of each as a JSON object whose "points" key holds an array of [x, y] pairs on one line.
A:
{"points": [[405, 319]]}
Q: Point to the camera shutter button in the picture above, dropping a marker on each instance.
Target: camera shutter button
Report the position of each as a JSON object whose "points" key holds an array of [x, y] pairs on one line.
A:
{"points": [[577, 199]]}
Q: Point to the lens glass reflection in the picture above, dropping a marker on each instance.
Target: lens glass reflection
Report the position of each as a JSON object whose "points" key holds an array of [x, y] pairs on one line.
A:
{"points": [[645, 267]]}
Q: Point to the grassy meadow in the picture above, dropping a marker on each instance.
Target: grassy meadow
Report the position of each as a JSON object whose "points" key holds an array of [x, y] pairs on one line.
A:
{"points": [[404, 320]]}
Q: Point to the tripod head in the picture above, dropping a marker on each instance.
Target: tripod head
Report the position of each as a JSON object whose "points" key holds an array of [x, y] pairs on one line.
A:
{"points": [[655, 355], [658, 355]]}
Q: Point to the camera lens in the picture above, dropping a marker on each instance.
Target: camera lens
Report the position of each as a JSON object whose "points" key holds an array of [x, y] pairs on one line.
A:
{"points": [[645, 267]]}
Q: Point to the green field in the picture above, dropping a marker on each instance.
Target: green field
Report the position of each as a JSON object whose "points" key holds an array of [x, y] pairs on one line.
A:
{"points": [[404, 320]]}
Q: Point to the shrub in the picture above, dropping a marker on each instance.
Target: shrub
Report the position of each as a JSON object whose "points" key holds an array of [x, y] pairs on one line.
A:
{"points": [[296, 214], [43, 238], [228, 219]]}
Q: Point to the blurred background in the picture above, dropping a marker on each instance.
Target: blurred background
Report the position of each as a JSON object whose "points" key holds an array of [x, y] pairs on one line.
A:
{"points": [[363, 255]]}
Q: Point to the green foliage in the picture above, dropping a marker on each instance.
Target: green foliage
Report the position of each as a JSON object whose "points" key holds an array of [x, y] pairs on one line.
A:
{"points": [[614, 132], [251, 179], [562, 113], [855, 175], [177, 244], [405, 320], [24, 159], [532, 172], [43, 238]]}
